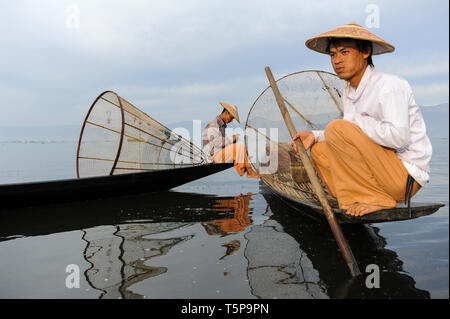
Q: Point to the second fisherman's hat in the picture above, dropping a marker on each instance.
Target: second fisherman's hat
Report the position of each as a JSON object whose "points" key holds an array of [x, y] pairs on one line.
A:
{"points": [[352, 31], [232, 109]]}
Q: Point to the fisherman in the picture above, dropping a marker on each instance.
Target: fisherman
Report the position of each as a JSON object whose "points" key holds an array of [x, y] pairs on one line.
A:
{"points": [[379, 153], [224, 149]]}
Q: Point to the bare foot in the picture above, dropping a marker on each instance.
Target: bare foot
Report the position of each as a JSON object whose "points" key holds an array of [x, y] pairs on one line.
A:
{"points": [[360, 209], [252, 174]]}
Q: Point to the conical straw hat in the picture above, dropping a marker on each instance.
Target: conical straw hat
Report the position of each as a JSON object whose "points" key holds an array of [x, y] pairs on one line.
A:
{"points": [[232, 109], [352, 31]]}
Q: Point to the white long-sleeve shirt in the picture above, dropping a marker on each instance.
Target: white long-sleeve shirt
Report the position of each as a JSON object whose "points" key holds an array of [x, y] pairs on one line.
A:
{"points": [[383, 107], [213, 138]]}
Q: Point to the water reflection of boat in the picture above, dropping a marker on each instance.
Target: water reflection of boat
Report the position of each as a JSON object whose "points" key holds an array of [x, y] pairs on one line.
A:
{"points": [[119, 233], [118, 255], [156, 207], [277, 266], [317, 251]]}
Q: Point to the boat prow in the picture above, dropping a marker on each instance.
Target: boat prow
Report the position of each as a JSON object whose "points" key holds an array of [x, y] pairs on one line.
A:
{"points": [[398, 213]]}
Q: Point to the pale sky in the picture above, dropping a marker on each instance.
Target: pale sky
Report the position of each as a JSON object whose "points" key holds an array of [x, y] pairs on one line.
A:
{"points": [[176, 59]]}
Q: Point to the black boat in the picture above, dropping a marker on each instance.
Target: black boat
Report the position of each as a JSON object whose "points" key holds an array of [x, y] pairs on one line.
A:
{"points": [[77, 189], [121, 151], [314, 209]]}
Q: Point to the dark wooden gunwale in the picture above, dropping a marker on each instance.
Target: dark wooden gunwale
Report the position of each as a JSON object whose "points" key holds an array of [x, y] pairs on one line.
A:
{"points": [[389, 215], [77, 189]]}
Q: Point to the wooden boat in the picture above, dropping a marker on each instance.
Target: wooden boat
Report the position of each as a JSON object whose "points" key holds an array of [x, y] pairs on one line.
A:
{"points": [[78, 189], [313, 208], [313, 98], [121, 151]]}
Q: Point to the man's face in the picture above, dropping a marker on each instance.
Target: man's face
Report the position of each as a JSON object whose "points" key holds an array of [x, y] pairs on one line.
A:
{"points": [[228, 117], [346, 59]]}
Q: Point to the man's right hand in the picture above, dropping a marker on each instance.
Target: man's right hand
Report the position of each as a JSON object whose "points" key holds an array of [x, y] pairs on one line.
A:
{"points": [[307, 137]]}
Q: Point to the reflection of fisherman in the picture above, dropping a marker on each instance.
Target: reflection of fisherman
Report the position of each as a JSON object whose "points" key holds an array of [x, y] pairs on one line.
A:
{"points": [[240, 220], [380, 146], [241, 206], [225, 149]]}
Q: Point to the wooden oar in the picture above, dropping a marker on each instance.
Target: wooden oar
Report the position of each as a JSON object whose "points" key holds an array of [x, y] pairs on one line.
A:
{"points": [[342, 242]]}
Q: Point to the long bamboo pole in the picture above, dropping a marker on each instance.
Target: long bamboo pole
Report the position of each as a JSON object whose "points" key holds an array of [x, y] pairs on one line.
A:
{"points": [[331, 94], [300, 114], [334, 225]]}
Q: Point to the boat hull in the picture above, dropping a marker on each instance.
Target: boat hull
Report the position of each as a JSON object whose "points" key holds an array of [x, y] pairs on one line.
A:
{"points": [[38, 193], [388, 215]]}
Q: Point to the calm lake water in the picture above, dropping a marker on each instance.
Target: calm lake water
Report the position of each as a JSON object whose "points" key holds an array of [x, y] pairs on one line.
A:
{"points": [[218, 237]]}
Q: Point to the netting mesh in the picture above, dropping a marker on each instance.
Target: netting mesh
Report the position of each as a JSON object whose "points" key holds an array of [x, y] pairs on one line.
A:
{"points": [[119, 138], [313, 99]]}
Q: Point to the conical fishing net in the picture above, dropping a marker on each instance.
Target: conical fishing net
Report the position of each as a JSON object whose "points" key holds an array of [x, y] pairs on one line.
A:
{"points": [[117, 138], [313, 99]]}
